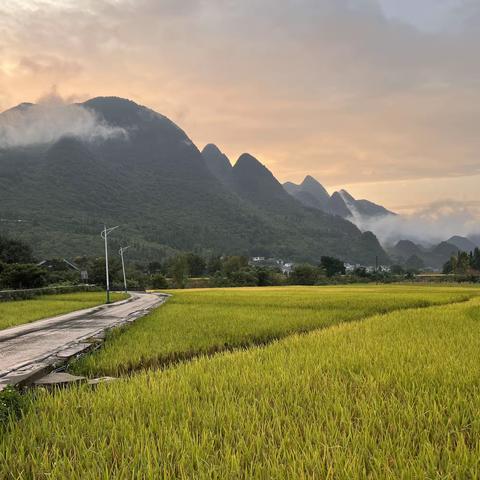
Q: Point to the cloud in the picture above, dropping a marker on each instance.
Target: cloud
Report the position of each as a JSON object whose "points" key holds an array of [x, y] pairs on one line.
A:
{"points": [[429, 225], [47, 65], [333, 88], [49, 120]]}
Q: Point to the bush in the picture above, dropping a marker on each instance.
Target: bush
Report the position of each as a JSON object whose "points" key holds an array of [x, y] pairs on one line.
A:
{"points": [[304, 275], [23, 276], [11, 405], [158, 281], [243, 278]]}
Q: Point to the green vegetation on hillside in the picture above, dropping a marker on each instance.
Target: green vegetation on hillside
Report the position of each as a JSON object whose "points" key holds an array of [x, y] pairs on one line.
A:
{"points": [[196, 322], [155, 184], [25, 311], [393, 396]]}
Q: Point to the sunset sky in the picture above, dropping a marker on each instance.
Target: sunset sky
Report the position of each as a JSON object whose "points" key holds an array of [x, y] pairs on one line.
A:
{"points": [[379, 96]]}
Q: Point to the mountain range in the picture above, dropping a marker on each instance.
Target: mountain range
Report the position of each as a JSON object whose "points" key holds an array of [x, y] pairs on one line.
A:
{"points": [[464, 244], [313, 194], [166, 195], [406, 252]]}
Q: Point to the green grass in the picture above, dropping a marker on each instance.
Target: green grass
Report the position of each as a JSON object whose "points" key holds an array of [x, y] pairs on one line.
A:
{"points": [[391, 396], [25, 311], [207, 321]]}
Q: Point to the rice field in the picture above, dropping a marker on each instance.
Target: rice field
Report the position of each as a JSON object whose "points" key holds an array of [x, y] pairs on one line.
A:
{"points": [[24, 311], [391, 394], [199, 322]]}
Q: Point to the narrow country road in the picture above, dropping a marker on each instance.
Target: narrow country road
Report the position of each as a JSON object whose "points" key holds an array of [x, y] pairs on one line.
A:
{"points": [[32, 343]]}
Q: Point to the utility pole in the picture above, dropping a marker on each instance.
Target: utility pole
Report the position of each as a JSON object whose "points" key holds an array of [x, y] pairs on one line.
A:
{"points": [[123, 249], [105, 232]]}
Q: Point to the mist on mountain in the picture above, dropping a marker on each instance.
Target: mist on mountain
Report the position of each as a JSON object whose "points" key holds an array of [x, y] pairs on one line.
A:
{"points": [[428, 226], [46, 122]]}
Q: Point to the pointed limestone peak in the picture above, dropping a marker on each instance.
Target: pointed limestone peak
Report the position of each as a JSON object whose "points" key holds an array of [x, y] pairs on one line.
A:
{"points": [[346, 196], [212, 150], [217, 162], [313, 187], [337, 205]]}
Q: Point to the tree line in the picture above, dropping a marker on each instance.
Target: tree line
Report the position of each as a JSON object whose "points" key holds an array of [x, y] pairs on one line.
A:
{"points": [[463, 263], [20, 270]]}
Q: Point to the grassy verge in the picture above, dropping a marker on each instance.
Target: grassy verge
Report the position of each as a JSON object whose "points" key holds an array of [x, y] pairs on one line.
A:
{"points": [[25, 311], [393, 396], [202, 322]]}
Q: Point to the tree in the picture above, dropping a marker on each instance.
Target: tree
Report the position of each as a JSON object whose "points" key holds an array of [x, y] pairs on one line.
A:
{"points": [[476, 259], [450, 266], [96, 272], [361, 272], [179, 271], [82, 262], [154, 267], [158, 281], [20, 276], [234, 264], [397, 270], [243, 278], [463, 263], [196, 265], [332, 266], [15, 251], [214, 265], [264, 277], [304, 275]]}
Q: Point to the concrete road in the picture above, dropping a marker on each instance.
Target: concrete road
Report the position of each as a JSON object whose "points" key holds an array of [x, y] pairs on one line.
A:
{"points": [[33, 343]]}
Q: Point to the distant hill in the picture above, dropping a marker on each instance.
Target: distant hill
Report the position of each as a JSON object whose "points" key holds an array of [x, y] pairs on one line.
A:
{"points": [[462, 243], [256, 184], [312, 194], [475, 239], [406, 248], [445, 250], [250, 180], [165, 194], [434, 257]]}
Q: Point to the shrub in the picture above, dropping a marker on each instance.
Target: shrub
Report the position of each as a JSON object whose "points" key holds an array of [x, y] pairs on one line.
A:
{"points": [[23, 276], [11, 405], [158, 281], [304, 275]]}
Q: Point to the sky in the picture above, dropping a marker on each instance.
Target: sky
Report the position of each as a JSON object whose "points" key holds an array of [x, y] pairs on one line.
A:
{"points": [[379, 96]]}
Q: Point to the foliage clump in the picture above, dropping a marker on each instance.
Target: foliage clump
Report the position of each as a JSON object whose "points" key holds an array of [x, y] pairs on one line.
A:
{"points": [[11, 405]]}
